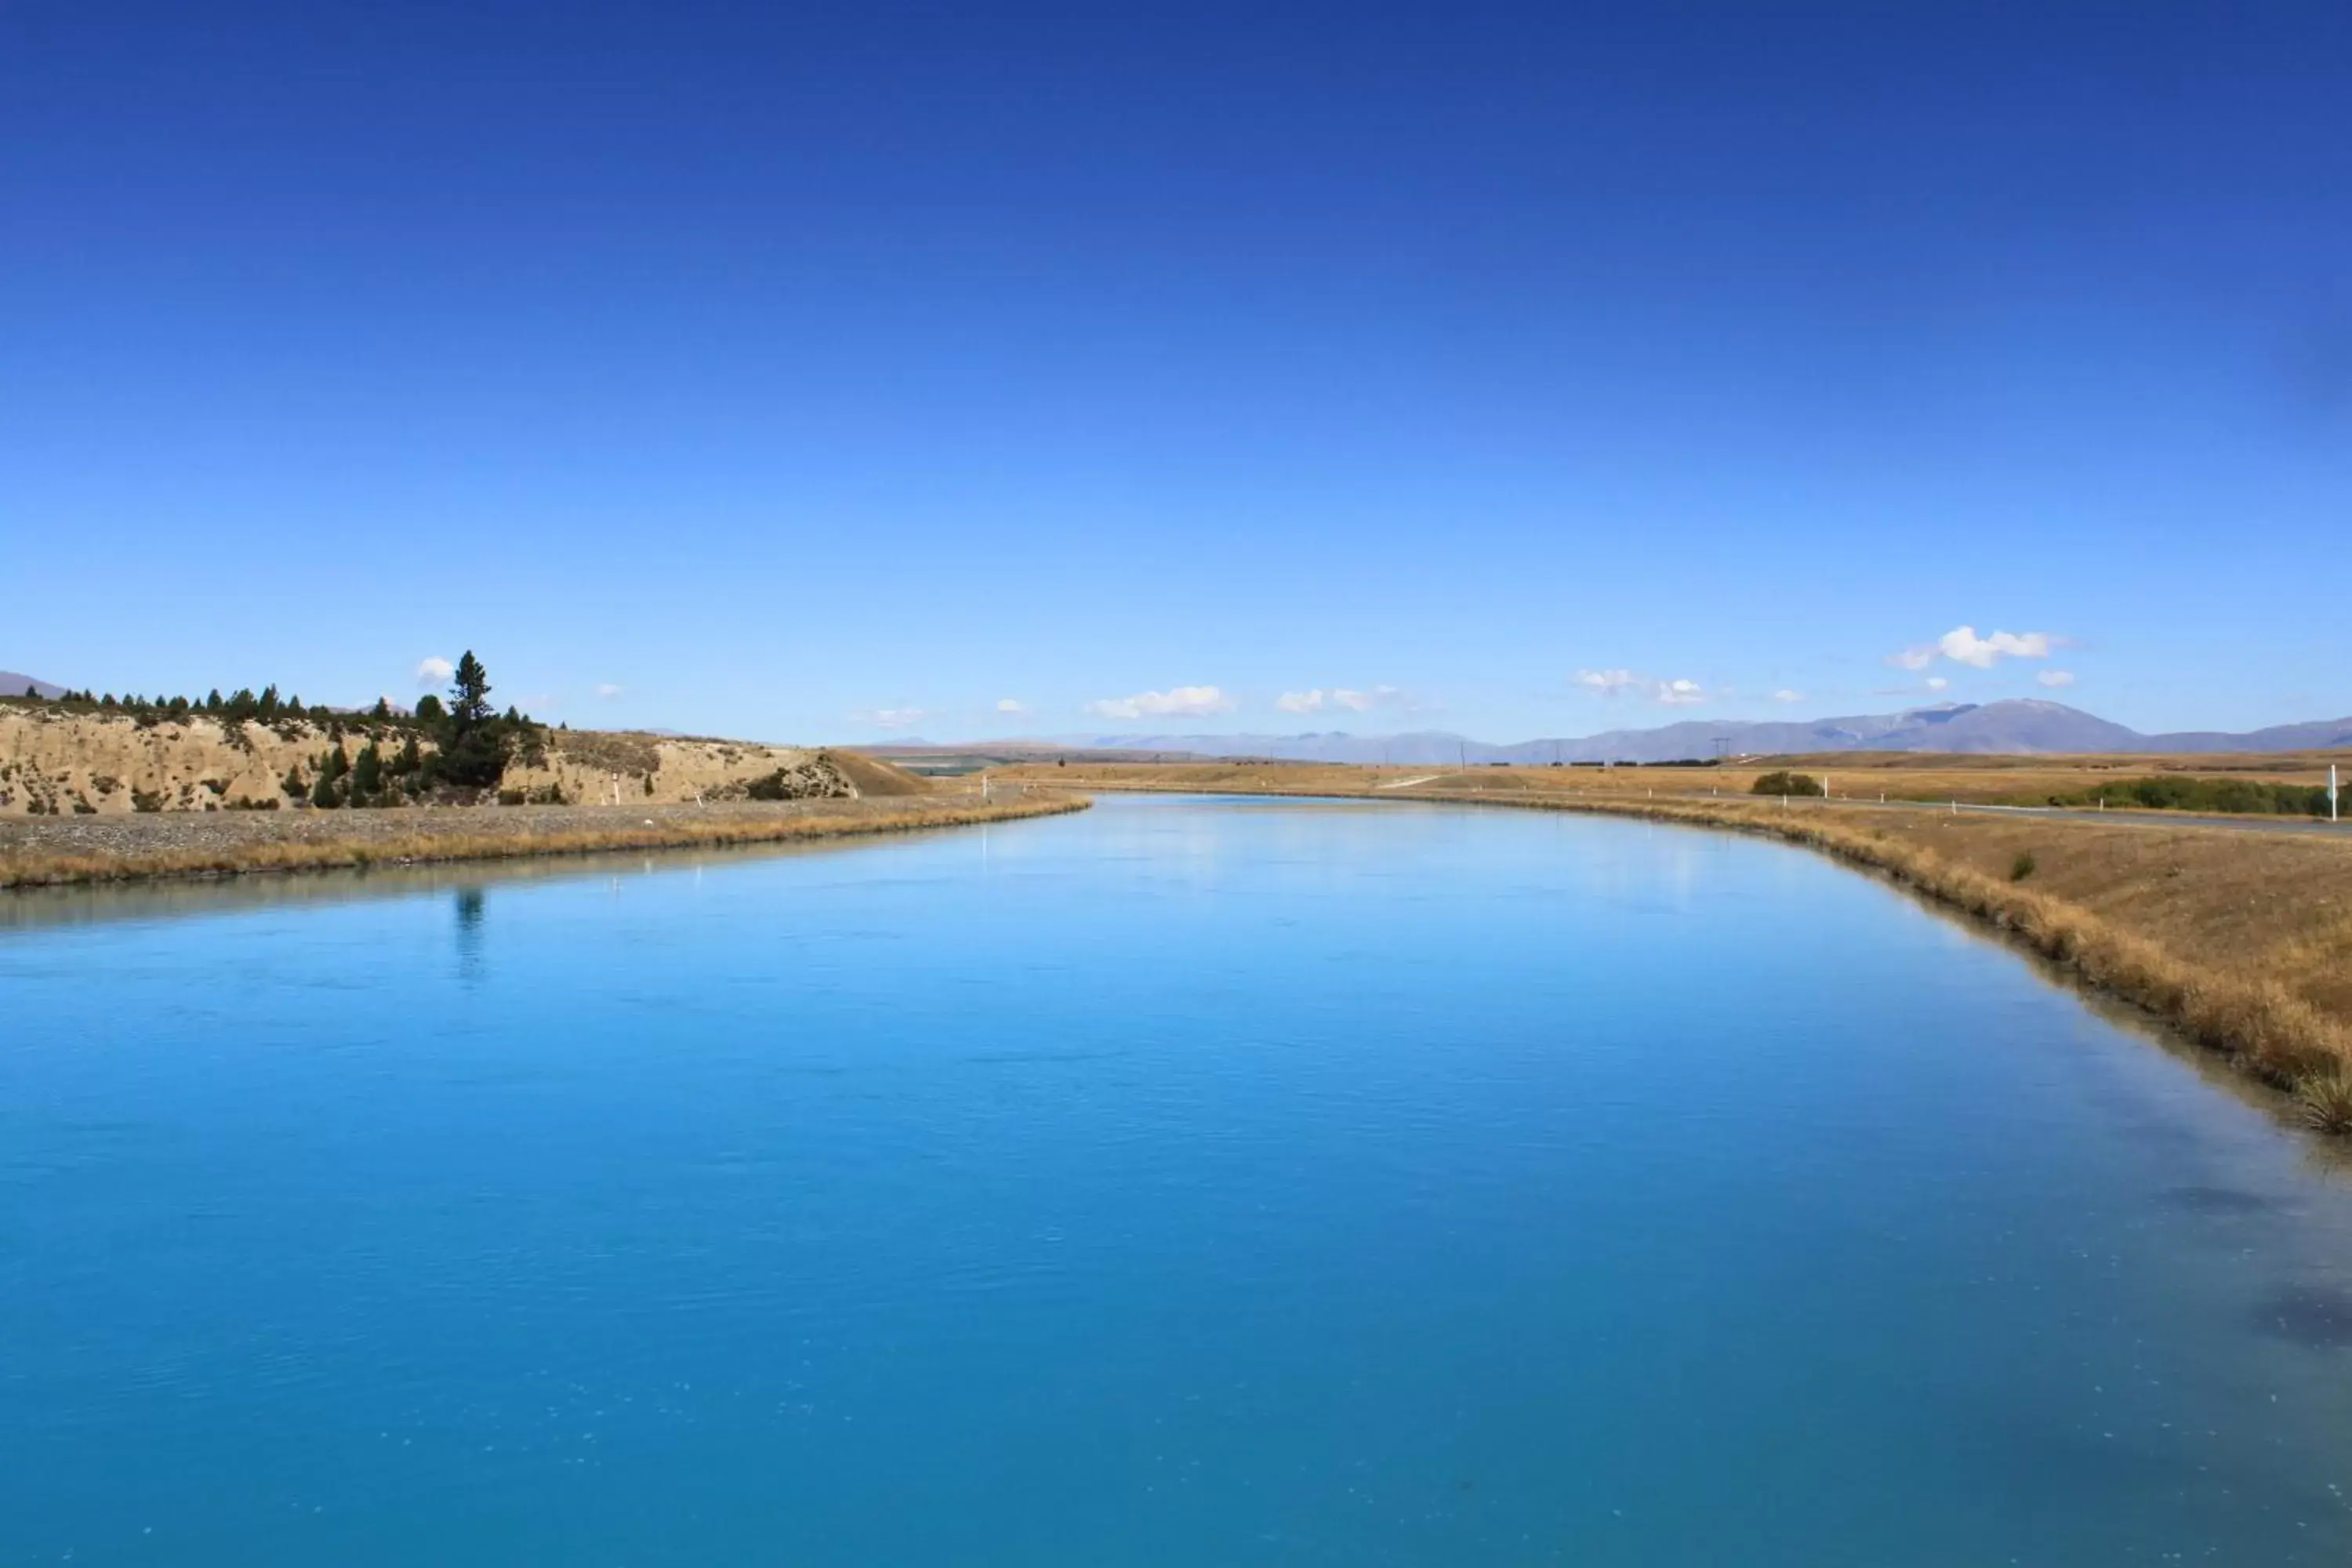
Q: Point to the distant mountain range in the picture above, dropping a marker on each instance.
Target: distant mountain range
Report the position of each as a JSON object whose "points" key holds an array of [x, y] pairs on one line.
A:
{"points": [[2023, 726], [14, 685]]}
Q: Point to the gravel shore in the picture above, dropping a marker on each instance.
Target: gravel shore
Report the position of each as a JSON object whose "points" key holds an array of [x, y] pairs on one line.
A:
{"points": [[52, 850]]}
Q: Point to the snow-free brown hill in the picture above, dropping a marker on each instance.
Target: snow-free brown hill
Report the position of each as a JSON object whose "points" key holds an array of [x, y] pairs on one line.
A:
{"points": [[2023, 727], [15, 685], [73, 764]]}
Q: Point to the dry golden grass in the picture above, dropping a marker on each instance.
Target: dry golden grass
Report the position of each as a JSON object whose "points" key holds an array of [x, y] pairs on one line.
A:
{"points": [[874, 777], [1859, 776], [444, 836], [2243, 939]]}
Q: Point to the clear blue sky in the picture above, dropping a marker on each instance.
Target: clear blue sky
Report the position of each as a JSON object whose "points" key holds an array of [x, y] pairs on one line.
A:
{"points": [[799, 370]]}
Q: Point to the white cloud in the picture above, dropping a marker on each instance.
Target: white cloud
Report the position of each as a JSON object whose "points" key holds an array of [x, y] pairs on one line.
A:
{"points": [[1937, 683], [1341, 696], [2055, 676], [1013, 706], [432, 672], [887, 718], [1786, 695], [1617, 682], [1962, 645], [1679, 693], [1182, 701], [607, 692]]}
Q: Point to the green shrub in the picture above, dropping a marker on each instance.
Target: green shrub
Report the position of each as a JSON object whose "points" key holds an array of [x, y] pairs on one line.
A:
{"points": [[768, 787], [1784, 782], [2022, 866], [2219, 797]]}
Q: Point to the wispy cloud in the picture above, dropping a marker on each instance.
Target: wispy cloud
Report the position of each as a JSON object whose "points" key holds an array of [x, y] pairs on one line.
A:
{"points": [[1938, 683], [1788, 694], [1316, 700], [1961, 645], [1182, 702], [606, 691], [1013, 706], [434, 671], [1624, 682], [887, 718], [2056, 678]]}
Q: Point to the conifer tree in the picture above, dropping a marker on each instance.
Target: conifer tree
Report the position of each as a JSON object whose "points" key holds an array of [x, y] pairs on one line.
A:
{"points": [[470, 694]]}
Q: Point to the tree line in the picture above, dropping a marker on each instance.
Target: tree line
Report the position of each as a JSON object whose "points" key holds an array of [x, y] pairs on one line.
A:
{"points": [[471, 742]]}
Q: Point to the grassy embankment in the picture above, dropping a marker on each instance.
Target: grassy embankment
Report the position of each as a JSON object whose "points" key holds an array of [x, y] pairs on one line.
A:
{"points": [[2240, 940], [50, 852]]}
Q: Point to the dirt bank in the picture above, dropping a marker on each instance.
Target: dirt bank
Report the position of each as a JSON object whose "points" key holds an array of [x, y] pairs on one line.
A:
{"points": [[47, 851]]}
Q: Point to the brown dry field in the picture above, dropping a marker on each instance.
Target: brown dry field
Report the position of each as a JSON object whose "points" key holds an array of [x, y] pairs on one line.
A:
{"points": [[1853, 775], [2242, 939]]}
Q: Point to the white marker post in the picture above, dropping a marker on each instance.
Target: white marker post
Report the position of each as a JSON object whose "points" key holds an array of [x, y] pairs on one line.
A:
{"points": [[2331, 793]]}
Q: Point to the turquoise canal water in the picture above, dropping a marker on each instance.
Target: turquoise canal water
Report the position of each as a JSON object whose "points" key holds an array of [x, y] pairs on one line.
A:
{"points": [[1183, 1183]]}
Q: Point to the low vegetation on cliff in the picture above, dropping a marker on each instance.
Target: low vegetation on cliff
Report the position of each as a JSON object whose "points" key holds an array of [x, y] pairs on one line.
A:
{"points": [[80, 755]]}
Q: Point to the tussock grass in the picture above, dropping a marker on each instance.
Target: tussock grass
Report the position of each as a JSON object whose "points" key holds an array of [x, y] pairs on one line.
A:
{"points": [[443, 837], [2327, 1101]]}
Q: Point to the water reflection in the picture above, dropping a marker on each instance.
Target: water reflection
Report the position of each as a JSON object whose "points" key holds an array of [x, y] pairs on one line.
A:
{"points": [[469, 934]]}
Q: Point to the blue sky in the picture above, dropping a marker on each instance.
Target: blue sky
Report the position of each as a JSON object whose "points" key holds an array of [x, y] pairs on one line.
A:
{"points": [[831, 373]]}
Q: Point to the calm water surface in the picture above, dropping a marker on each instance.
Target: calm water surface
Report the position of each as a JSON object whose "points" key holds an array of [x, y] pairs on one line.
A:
{"points": [[1185, 1182]]}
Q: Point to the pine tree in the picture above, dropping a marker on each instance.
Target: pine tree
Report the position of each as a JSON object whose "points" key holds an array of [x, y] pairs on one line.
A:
{"points": [[292, 783], [474, 748], [367, 778], [322, 794], [470, 694]]}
